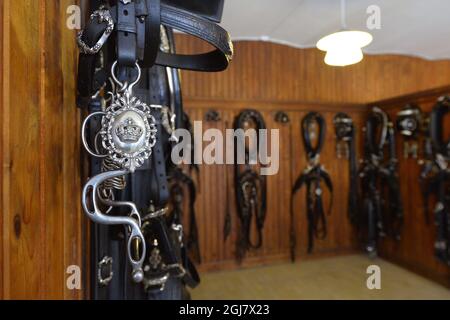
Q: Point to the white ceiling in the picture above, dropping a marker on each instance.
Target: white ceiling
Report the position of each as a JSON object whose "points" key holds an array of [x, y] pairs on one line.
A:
{"points": [[411, 27]]}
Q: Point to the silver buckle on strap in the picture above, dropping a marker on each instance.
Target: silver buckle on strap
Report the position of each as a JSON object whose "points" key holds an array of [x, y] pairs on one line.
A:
{"points": [[103, 16]]}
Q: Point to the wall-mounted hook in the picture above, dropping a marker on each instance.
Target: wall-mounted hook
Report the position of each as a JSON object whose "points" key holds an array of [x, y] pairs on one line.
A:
{"points": [[212, 116], [282, 117]]}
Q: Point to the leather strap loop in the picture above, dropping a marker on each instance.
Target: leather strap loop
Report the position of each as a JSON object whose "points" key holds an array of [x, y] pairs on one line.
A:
{"points": [[202, 28]]}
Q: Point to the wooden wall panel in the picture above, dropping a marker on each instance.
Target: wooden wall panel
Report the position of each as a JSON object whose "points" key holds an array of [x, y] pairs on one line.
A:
{"points": [[41, 216], [272, 77], [216, 194], [263, 71], [2, 72], [416, 248]]}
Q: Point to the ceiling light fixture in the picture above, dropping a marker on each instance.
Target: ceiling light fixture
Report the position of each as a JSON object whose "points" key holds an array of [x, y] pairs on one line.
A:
{"points": [[344, 47]]}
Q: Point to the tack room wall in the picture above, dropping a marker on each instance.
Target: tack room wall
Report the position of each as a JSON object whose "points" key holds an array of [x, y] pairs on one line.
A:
{"points": [[273, 77]]}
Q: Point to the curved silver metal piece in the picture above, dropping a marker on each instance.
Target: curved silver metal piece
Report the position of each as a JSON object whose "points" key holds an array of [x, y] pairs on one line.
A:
{"points": [[127, 87], [83, 135], [96, 215]]}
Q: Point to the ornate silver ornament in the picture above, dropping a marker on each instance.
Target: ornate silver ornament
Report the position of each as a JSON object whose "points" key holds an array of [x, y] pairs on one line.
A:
{"points": [[128, 132], [102, 15]]}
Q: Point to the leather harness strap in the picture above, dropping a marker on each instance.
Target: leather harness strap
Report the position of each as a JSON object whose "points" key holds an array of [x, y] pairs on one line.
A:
{"points": [[202, 28], [126, 34], [127, 20], [312, 177], [345, 133], [436, 176], [380, 180], [152, 32]]}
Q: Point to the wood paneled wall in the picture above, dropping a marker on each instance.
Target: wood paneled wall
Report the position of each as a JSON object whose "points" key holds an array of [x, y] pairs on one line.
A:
{"points": [[41, 228], [416, 248], [263, 71], [216, 194], [273, 77]]}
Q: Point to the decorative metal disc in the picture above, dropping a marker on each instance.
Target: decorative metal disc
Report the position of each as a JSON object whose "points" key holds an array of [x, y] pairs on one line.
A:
{"points": [[128, 132]]}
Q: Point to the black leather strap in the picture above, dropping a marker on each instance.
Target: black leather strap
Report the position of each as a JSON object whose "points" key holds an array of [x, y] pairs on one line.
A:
{"points": [[126, 34], [141, 17], [87, 84], [437, 126], [152, 33], [202, 28]]}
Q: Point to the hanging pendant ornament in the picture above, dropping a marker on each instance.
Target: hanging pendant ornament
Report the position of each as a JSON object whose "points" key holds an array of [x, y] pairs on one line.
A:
{"points": [[128, 129]]}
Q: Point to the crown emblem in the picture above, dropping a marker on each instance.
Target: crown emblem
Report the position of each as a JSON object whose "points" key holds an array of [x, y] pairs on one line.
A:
{"points": [[129, 131]]}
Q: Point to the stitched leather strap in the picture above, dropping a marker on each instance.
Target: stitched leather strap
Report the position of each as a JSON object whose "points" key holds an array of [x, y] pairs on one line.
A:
{"points": [[202, 28]]}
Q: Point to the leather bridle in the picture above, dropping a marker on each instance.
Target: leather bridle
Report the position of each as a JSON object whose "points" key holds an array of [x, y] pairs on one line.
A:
{"points": [[435, 178], [379, 178], [345, 134], [128, 82], [250, 191], [312, 177]]}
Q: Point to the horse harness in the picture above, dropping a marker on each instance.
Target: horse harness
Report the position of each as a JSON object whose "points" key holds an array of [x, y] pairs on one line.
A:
{"points": [[380, 182], [346, 148], [179, 182], [130, 129], [436, 177], [250, 188], [312, 177]]}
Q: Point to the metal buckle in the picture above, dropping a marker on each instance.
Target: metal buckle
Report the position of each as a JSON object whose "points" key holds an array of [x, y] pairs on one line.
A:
{"points": [[159, 283], [105, 262], [153, 214], [103, 16]]}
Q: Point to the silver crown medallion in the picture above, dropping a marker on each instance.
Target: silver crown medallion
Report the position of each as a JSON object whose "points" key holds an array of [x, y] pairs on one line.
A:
{"points": [[128, 132], [128, 129]]}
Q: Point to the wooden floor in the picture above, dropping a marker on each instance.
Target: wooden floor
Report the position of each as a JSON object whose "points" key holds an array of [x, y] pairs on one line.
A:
{"points": [[331, 278]]}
